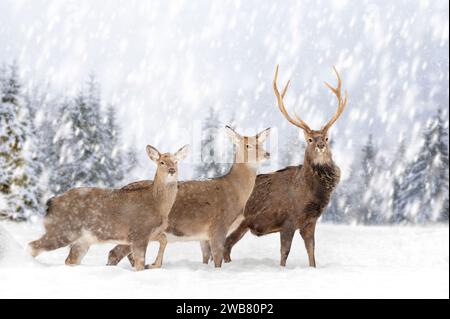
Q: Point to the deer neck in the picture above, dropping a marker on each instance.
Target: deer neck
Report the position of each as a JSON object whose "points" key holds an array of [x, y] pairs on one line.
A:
{"points": [[243, 176], [322, 175], [164, 191]]}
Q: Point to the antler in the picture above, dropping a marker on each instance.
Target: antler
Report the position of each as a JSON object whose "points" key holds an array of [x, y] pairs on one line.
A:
{"points": [[341, 103], [299, 122]]}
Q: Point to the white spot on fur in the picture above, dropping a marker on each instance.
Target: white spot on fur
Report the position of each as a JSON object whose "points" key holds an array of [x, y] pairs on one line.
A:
{"points": [[321, 157], [88, 238], [171, 178], [83, 190]]}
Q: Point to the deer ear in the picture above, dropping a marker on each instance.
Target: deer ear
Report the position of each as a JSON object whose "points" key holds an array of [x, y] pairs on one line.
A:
{"points": [[261, 136], [153, 153], [182, 153], [232, 134]]}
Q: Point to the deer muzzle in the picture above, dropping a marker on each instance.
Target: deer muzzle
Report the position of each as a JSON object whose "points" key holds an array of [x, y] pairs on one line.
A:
{"points": [[321, 148]]}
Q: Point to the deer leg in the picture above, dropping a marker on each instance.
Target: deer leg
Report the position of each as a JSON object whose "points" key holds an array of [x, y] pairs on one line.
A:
{"points": [[48, 242], [233, 239], [131, 259], [206, 251], [77, 251], [217, 244], [307, 234], [118, 253], [286, 236], [138, 250], [159, 259]]}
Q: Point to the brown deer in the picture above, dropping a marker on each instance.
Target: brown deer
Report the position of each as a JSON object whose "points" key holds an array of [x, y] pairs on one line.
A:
{"points": [[84, 216], [206, 211], [295, 197]]}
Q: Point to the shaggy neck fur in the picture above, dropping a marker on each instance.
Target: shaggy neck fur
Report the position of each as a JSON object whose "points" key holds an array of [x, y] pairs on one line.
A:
{"points": [[323, 175]]}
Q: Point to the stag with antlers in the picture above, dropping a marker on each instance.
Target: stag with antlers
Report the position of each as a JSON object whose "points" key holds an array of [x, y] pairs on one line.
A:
{"points": [[295, 197]]}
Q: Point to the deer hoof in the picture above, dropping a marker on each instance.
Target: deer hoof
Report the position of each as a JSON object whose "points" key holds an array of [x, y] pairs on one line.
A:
{"points": [[152, 266]]}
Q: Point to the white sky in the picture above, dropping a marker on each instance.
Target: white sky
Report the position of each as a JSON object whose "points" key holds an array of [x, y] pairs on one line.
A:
{"points": [[163, 63]]}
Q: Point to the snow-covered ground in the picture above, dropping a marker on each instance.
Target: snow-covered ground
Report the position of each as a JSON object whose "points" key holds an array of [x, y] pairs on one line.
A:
{"points": [[353, 262]]}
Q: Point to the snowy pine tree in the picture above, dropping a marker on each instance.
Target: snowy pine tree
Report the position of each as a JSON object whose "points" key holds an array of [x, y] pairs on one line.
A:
{"points": [[78, 141], [363, 201], [94, 136], [47, 120], [423, 192], [370, 210], [60, 163], [336, 210], [441, 164], [113, 158], [85, 144], [130, 161], [210, 165], [398, 166], [34, 151], [35, 103], [293, 149], [18, 186]]}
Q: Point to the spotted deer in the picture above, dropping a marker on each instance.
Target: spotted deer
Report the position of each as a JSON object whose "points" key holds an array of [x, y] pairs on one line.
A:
{"points": [[84, 216], [295, 197], [208, 210]]}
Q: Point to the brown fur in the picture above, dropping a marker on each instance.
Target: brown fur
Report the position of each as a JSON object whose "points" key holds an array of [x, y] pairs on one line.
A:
{"points": [[295, 197], [205, 210], [81, 217], [287, 200]]}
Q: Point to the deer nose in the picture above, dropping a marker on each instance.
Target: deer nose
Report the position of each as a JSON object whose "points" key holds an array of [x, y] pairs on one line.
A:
{"points": [[266, 155], [321, 145], [172, 171]]}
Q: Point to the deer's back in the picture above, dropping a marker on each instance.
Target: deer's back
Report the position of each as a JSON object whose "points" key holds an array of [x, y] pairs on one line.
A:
{"points": [[102, 210]]}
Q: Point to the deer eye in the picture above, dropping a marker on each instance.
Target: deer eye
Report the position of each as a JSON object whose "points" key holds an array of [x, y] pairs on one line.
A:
{"points": [[326, 139], [310, 140], [248, 146], [162, 163]]}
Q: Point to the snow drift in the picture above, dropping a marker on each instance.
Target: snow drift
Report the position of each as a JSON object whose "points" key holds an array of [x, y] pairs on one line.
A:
{"points": [[12, 254], [353, 262]]}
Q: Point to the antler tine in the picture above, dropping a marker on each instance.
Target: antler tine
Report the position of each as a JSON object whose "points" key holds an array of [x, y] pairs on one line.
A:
{"points": [[285, 89], [336, 90], [299, 123], [341, 103]]}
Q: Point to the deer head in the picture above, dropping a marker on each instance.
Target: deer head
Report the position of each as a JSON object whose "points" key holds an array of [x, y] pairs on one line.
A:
{"points": [[249, 149], [167, 163], [317, 149]]}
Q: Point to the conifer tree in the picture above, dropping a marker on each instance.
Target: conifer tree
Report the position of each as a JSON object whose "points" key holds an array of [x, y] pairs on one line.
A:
{"points": [[210, 165], [293, 150], [423, 192], [18, 187], [113, 157], [398, 167]]}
